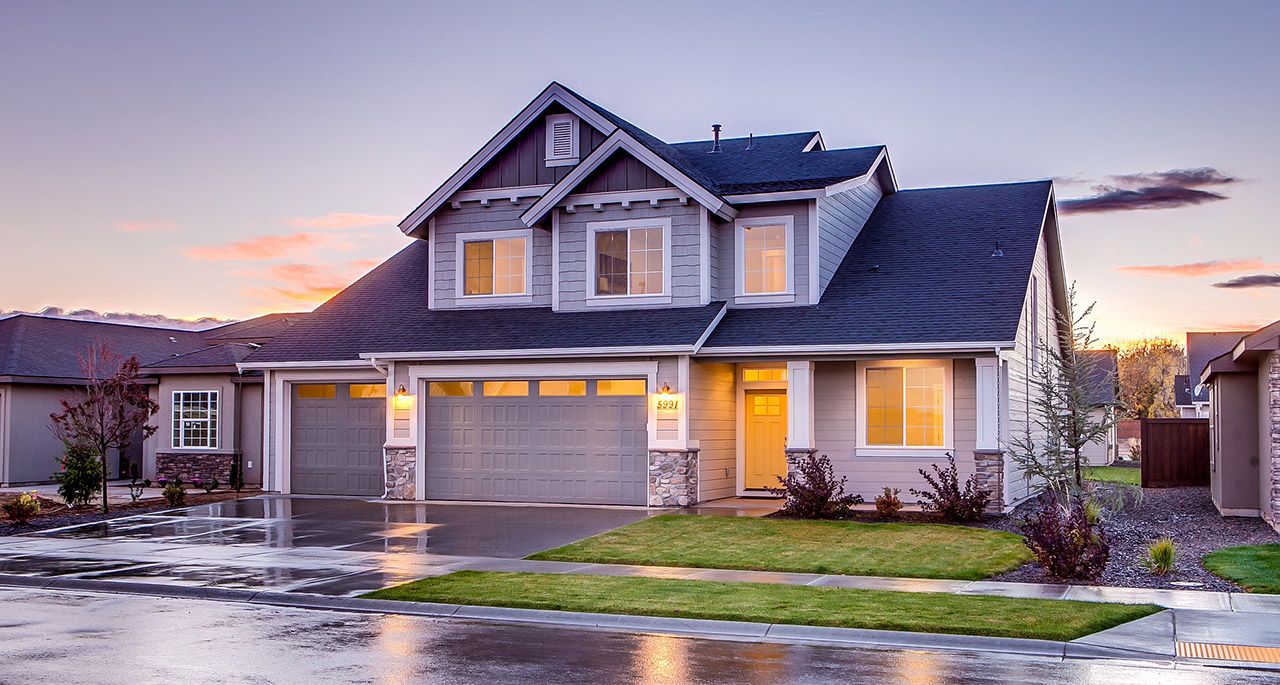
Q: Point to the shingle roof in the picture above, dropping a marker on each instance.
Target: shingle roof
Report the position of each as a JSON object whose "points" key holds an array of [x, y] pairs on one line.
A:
{"points": [[258, 329], [223, 355], [1105, 367], [48, 347], [386, 311], [1203, 347], [936, 279], [1182, 390]]}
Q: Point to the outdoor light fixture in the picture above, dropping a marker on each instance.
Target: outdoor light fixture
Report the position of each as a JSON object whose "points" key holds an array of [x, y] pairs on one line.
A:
{"points": [[401, 391], [403, 400], [666, 390]]}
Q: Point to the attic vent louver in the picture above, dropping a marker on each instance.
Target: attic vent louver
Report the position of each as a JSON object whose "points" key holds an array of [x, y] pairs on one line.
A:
{"points": [[562, 140]]}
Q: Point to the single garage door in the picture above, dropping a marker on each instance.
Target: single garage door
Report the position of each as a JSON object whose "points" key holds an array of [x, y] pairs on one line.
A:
{"points": [[336, 436], [568, 441]]}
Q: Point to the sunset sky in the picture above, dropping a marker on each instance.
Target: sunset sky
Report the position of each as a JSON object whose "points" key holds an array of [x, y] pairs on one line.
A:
{"points": [[234, 158]]}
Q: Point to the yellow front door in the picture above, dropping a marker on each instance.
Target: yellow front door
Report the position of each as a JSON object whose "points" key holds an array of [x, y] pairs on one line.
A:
{"points": [[766, 435]]}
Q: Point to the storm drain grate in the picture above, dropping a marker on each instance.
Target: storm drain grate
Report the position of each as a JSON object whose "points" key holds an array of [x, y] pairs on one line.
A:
{"points": [[1220, 652]]}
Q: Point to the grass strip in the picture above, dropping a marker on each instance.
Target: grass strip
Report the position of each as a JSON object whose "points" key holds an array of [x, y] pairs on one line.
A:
{"points": [[1256, 568]]}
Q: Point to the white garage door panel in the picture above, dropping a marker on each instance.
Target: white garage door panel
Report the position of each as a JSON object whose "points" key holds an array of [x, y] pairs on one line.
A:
{"points": [[589, 449]]}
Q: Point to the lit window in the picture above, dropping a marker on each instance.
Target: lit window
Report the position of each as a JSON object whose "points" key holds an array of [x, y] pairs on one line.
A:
{"points": [[367, 390], [317, 392], [562, 388], [195, 419], [765, 374], [494, 267], [450, 389], [620, 387], [905, 406], [766, 405], [630, 261], [506, 388], [764, 259]]}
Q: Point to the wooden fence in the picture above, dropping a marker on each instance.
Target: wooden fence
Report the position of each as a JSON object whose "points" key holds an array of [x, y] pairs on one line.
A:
{"points": [[1175, 452]]}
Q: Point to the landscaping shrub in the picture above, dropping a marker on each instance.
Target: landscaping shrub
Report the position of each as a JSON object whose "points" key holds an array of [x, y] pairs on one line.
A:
{"points": [[946, 496], [81, 475], [208, 485], [812, 491], [174, 493], [22, 508], [1160, 556], [1065, 543], [136, 487], [887, 504]]}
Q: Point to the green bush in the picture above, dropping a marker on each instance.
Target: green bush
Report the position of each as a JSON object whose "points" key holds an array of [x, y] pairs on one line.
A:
{"points": [[22, 508], [1160, 556], [174, 493], [81, 476]]}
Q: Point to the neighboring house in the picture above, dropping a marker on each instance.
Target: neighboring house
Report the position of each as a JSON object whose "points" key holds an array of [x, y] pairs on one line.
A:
{"points": [[588, 314], [1106, 381], [1191, 397], [219, 409], [1244, 425]]}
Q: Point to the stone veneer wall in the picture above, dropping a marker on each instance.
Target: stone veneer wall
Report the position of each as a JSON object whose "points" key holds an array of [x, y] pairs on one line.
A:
{"points": [[1269, 373], [402, 472], [673, 478], [989, 474], [795, 455], [191, 465]]}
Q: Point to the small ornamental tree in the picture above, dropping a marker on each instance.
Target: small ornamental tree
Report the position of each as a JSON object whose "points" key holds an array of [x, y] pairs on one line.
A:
{"points": [[115, 406]]}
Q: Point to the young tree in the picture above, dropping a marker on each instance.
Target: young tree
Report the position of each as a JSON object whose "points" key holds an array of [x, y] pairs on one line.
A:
{"points": [[1065, 396], [114, 407], [1147, 368]]}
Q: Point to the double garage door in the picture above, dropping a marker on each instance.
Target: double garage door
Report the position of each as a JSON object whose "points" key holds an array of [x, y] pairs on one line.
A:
{"points": [[554, 440]]}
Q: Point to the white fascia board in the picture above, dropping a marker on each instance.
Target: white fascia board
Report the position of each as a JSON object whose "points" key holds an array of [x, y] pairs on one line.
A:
{"points": [[553, 93], [621, 140], [815, 143], [549, 353], [710, 328], [777, 197], [886, 348], [363, 363]]}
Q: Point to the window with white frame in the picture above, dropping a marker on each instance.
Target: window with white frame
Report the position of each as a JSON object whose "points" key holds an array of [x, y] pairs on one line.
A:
{"points": [[630, 258], [905, 404], [562, 140], [494, 264], [764, 248], [195, 419]]}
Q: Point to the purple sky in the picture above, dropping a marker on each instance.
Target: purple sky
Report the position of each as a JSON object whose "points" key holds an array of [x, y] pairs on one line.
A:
{"points": [[235, 158]]}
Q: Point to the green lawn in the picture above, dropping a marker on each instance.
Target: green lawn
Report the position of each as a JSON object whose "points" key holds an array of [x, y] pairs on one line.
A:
{"points": [[910, 550], [1256, 568], [1114, 474], [1045, 619]]}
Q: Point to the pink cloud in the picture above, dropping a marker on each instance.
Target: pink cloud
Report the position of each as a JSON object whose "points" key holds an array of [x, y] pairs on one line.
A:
{"points": [[342, 220], [144, 226], [1196, 269], [263, 247], [294, 284]]}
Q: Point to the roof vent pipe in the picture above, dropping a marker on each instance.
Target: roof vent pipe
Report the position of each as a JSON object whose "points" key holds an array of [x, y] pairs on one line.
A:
{"points": [[715, 131], [751, 141], [998, 252]]}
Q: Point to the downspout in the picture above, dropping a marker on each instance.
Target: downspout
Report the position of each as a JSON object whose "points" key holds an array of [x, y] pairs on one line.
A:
{"points": [[386, 474]]}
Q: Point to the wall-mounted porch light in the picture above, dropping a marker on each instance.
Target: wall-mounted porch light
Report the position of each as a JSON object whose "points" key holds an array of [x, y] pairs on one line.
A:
{"points": [[666, 389], [403, 400]]}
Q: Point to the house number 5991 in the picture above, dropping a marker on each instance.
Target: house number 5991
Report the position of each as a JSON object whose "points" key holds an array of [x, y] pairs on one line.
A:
{"points": [[668, 405]]}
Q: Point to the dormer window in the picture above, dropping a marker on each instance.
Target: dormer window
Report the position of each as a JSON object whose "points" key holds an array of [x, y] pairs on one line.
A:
{"points": [[562, 140], [764, 257]]}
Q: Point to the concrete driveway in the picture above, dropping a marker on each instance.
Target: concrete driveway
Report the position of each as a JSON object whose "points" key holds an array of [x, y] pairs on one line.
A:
{"points": [[304, 544]]}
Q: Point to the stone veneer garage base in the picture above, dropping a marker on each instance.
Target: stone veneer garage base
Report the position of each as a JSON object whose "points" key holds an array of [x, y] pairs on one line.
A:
{"points": [[191, 465]]}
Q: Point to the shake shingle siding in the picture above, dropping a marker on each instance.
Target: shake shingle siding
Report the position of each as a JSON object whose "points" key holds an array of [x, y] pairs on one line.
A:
{"points": [[921, 270]]}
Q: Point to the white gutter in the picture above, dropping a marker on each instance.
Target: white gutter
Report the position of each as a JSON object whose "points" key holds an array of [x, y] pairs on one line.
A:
{"points": [[879, 348]]}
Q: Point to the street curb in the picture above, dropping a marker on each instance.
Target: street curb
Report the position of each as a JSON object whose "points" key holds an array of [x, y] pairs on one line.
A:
{"points": [[687, 627]]}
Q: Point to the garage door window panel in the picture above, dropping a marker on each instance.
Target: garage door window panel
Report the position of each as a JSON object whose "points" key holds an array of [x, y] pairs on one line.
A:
{"points": [[506, 388], [620, 388]]}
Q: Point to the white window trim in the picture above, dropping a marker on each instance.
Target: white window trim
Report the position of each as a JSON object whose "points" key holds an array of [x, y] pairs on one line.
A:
{"points": [[460, 281], [948, 410], [176, 437], [574, 155], [741, 296], [594, 227]]}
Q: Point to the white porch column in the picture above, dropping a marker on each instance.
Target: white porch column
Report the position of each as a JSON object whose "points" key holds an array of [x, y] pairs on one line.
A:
{"points": [[988, 403], [800, 406]]}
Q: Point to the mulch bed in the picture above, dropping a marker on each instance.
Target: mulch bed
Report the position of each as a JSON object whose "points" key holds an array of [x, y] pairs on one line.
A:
{"points": [[54, 514]]}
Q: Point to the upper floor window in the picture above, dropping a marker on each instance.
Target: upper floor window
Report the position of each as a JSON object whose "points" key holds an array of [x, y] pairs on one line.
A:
{"points": [[764, 256], [904, 404], [562, 140], [631, 257], [494, 263], [195, 419]]}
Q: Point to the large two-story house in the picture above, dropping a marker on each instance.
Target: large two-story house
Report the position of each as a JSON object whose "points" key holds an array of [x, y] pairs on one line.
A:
{"points": [[589, 314]]}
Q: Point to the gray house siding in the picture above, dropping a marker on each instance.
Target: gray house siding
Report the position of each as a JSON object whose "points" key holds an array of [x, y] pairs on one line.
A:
{"points": [[623, 172], [576, 251], [840, 220], [722, 256], [523, 163], [713, 424], [835, 431], [472, 217], [30, 450]]}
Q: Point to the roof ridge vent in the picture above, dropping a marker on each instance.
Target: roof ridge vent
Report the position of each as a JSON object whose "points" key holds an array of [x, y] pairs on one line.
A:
{"points": [[715, 132]]}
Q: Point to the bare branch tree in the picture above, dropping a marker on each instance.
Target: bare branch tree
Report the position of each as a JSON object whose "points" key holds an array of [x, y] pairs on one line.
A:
{"points": [[115, 406]]}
